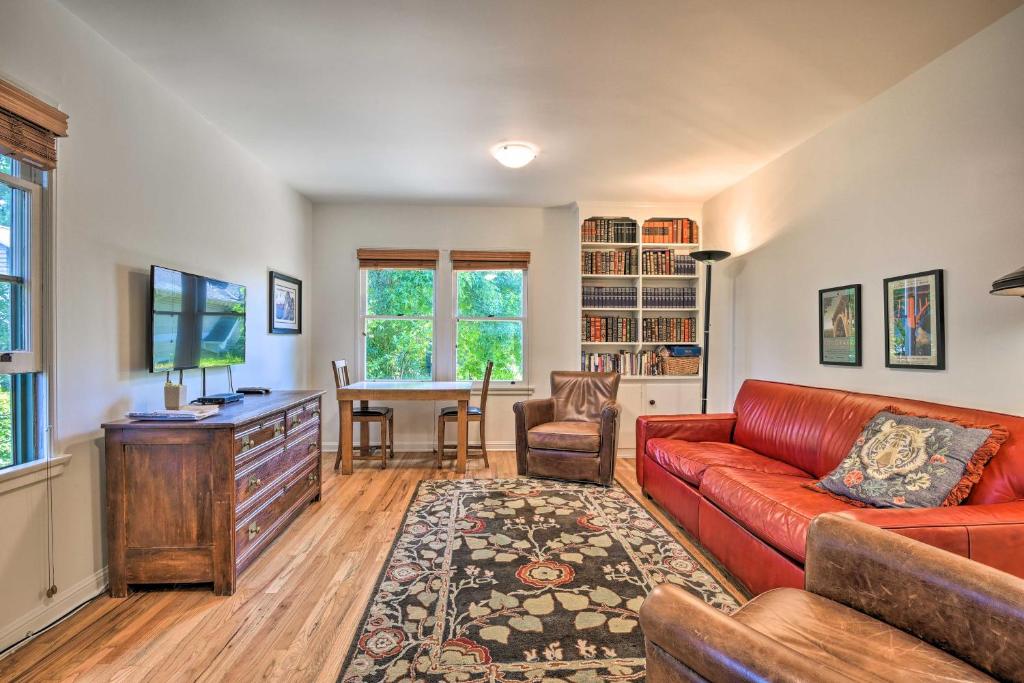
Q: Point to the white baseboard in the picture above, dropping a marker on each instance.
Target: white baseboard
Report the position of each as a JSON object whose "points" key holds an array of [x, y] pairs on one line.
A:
{"points": [[52, 610]]}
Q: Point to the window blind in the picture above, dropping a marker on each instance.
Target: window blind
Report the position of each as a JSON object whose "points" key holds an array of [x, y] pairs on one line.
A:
{"points": [[490, 260], [415, 259], [29, 127]]}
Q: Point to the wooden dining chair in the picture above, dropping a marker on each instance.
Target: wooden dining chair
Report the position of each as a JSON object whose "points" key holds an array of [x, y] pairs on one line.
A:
{"points": [[364, 415], [476, 414]]}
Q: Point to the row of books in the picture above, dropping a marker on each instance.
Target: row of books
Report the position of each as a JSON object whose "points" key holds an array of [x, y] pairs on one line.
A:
{"points": [[617, 262], [609, 297], [670, 330], [668, 262], [671, 231], [608, 229], [670, 297], [608, 329], [626, 362]]}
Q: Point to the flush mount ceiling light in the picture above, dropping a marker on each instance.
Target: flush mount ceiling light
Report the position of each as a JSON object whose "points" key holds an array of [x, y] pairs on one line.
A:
{"points": [[514, 154]]}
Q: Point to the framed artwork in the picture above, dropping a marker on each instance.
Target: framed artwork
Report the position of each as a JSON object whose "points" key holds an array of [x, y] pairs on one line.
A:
{"points": [[285, 304], [839, 326], [914, 321]]}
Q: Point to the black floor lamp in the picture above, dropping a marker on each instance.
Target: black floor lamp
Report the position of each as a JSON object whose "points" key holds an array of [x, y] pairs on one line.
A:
{"points": [[707, 257]]}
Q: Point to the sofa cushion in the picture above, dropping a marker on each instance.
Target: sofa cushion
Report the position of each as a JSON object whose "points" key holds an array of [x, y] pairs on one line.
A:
{"points": [[689, 459], [584, 437], [913, 462], [846, 640], [777, 508]]}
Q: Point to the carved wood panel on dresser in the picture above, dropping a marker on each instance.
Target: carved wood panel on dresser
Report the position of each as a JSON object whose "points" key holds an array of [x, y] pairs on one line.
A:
{"points": [[197, 502]]}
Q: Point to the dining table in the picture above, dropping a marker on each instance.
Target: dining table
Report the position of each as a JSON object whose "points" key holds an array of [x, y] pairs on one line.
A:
{"points": [[364, 392]]}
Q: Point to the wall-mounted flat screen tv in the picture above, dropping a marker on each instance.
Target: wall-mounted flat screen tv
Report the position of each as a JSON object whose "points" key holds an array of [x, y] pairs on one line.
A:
{"points": [[195, 321]]}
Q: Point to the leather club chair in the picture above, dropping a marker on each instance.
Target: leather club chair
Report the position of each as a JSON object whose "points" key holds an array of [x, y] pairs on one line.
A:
{"points": [[573, 434], [876, 606]]}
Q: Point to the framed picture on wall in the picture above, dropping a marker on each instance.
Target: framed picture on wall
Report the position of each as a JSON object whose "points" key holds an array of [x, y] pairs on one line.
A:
{"points": [[914, 321], [285, 304], [839, 326]]}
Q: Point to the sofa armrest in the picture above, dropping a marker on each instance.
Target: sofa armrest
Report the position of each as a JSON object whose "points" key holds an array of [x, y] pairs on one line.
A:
{"points": [[528, 415], [714, 427], [964, 607], [990, 534], [717, 647]]}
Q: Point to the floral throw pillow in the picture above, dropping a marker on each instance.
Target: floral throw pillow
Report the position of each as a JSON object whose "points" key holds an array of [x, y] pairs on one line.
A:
{"points": [[906, 461]]}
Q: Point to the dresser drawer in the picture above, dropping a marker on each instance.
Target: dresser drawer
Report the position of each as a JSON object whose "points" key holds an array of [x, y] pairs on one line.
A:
{"points": [[261, 525], [301, 416], [253, 438], [264, 472]]}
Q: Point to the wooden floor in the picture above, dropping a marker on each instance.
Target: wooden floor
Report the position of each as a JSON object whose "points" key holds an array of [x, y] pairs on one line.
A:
{"points": [[296, 607]]}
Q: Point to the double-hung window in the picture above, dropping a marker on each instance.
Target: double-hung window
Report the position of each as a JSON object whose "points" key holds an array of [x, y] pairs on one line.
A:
{"points": [[398, 306], [490, 314], [21, 348]]}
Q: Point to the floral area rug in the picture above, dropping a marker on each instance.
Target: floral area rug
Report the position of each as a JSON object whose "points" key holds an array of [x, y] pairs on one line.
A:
{"points": [[520, 579]]}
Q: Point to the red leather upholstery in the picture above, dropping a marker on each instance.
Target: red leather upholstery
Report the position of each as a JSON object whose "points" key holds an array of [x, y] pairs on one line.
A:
{"points": [[717, 427], [776, 508], [734, 479], [689, 460]]}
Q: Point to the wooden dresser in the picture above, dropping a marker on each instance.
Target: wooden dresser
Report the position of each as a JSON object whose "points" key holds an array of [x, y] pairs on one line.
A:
{"points": [[196, 502]]}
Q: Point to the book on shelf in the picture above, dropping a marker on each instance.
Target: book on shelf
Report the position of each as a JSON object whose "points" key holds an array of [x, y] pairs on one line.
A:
{"points": [[609, 297], [670, 231], [668, 262], [670, 297], [611, 262], [611, 229], [670, 330], [608, 329], [629, 363]]}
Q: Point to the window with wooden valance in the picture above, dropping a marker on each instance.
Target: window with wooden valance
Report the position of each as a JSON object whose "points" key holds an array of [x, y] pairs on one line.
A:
{"points": [[490, 260], [416, 259], [29, 127]]}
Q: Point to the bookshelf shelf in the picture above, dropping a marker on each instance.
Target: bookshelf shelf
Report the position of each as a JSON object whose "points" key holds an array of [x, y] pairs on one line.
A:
{"points": [[671, 277], [609, 277], [610, 308], [677, 245]]}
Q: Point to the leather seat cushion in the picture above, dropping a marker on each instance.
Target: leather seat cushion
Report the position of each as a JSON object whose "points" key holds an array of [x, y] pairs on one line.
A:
{"points": [[368, 412], [583, 437], [842, 638], [776, 508], [688, 460], [454, 410]]}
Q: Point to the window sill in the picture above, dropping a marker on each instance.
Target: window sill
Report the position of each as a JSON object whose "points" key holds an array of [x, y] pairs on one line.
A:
{"points": [[18, 476], [507, 390]]}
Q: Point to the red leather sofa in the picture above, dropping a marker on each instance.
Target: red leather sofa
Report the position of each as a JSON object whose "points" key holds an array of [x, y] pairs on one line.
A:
{"points": [[735, 480]]}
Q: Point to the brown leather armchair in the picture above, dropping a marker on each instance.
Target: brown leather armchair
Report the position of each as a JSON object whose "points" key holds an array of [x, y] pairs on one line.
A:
{"points": [[573, 434], [876, 606]]}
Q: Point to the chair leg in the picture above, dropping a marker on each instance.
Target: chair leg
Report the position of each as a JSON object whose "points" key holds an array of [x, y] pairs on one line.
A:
{"points": [[440, 441], [391, 435], [383, 443], [483, 442], [341, 429]]}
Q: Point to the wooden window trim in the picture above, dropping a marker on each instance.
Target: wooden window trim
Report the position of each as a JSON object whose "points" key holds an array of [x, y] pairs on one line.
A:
{"points": [[490, 260], [410, 259], [29, 127]]}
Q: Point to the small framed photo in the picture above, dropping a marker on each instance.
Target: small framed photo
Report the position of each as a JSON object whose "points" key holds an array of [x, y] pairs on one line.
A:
{"points": [[285, 304], [839, 326], [914, 321]]}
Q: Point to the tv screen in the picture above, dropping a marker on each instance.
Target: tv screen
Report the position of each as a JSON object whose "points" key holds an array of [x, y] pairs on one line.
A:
{"points": [[196, 322]]}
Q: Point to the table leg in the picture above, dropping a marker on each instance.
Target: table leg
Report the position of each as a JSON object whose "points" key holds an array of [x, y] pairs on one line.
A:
{"points": [[346, 436], [364, 432], [463, 446]]}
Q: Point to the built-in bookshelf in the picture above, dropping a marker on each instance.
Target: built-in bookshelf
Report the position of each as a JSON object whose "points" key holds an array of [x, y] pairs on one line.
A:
{"points": [[639, 289]]}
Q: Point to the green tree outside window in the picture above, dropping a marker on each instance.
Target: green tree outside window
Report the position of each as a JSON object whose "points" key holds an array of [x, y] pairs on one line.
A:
{"points": [[399, 324], [489, 324]]}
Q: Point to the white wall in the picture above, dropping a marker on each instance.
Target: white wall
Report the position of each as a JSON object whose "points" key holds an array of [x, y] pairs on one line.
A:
{"points": [[142, 179], [550, 236], [930, 174]]}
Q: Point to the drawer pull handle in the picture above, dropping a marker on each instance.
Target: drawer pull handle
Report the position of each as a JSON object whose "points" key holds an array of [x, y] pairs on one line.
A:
{"points": [[311, 447], [255, 483], [316, 413], [253, 530], [312, 477], [279, 430], [247, 443]]}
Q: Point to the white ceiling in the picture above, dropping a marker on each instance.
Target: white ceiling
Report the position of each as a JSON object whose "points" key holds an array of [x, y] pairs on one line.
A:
{"points": [[652, 100]]}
